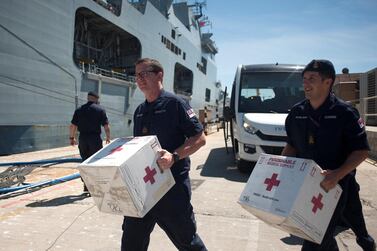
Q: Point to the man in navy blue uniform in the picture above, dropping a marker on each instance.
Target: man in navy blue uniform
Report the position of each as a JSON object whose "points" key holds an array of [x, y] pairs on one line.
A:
{"points": [[88, 119], [331, 132], [180, 134]]}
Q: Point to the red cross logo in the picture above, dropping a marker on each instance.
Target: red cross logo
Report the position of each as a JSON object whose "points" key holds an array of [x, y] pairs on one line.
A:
{"points": [[272, 182], [116, 149], [149, 175], [317, 203]]}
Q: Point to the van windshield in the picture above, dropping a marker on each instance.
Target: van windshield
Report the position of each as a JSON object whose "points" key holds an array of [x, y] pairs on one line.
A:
{"points": [[275, 92]]}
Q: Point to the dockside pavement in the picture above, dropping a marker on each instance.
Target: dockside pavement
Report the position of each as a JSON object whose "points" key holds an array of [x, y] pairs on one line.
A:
{"points": [[61, 217]]}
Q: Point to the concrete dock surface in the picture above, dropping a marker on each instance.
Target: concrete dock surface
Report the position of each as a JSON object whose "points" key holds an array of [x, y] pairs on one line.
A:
{"points": [[61, 217]]}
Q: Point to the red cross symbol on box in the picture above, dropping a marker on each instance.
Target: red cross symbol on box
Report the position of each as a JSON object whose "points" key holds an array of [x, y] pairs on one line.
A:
{"points": [[317, 203], [272, 182], [149, 176], [116, 149]]}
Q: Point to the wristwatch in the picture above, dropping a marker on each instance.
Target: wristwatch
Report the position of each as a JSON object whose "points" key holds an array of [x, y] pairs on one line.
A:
{"points": [[175, 157]]}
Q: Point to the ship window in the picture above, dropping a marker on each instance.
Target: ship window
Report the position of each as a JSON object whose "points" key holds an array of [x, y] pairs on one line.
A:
{"points": [[173, 34], [183, 80], [112, 50], [171, 46], [208, 95], [184, 55], [193, 23], [202, 67], [139, 5]]}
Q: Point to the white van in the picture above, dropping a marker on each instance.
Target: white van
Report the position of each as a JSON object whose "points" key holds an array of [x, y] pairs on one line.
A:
{"points": [[261, 98]]}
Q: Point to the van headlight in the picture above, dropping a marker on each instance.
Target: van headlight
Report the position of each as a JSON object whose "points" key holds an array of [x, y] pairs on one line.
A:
{"points": [[249, 128]]}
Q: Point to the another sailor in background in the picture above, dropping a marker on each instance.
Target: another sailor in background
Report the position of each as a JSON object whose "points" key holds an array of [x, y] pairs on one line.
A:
{"points": [[180, 135], [331, 132], [88, 119]]}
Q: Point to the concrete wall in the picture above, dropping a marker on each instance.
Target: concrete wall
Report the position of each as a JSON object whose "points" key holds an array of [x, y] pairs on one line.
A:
{"points": [[372, 139]]}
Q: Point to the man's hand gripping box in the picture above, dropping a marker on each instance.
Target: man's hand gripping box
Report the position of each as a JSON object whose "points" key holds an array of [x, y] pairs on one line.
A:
{"points": [[123, 177], [285, 192]]}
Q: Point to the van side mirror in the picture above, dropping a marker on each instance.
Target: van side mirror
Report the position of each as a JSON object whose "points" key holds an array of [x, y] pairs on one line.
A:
{"points": [[228, 114]]}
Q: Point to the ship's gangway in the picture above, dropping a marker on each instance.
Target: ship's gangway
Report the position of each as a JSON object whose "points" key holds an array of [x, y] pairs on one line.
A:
{"points": [[13, 174]]}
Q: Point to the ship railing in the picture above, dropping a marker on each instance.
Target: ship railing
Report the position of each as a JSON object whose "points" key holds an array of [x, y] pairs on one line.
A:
{"points": [[115, 9], [184, 93], [94, 69], [367, 108]]}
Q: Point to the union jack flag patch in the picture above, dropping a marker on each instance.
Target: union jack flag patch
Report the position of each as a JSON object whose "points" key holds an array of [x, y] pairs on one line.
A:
{"points": [[190, 113], [361, 122]]}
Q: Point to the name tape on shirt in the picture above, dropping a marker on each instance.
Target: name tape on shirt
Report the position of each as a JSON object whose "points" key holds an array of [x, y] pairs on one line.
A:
{"points": [[190, 113]]}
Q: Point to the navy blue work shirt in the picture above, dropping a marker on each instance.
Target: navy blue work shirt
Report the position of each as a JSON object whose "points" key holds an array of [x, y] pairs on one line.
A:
{"points": [[88, 118], [328, 134], [172, 120]]}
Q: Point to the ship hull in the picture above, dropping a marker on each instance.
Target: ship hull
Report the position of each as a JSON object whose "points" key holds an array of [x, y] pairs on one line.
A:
{"points": [[42, 83]]}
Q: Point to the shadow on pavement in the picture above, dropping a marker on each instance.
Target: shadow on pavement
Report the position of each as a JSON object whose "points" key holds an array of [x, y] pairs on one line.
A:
{"points": [[221, 164], [292, 240], [70, 199]]}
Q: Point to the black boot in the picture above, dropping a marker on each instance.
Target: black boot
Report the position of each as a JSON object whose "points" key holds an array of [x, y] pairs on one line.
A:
{"points": [[366, 243], [86, 191]]}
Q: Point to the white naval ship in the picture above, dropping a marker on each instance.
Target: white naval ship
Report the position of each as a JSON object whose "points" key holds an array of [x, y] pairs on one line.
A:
{"points": [[52, 52]]}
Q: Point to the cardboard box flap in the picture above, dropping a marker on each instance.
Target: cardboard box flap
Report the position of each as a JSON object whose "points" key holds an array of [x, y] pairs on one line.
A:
{"points": [[114, 154]]}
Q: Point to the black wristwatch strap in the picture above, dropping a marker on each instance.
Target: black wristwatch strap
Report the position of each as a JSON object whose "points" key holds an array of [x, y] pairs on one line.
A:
{"points": [[175, 157]]}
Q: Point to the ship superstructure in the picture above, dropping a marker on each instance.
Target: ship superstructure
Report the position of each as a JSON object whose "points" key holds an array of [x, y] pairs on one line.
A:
{"points": [[52, 52]]}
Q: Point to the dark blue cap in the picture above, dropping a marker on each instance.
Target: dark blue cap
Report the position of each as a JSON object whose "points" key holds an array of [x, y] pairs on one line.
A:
{"points": [[93, 94], [322, 66]]}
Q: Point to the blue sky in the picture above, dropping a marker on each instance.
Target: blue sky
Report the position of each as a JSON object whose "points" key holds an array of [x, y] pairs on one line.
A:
{"points": [[293, 31]]}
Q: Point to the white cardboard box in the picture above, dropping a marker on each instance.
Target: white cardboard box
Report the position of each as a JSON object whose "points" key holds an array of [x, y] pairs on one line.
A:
{"points": [[285, 192], [123, 177]]}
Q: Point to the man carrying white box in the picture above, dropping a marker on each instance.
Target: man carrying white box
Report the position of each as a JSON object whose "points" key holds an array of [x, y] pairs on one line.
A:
{"points": [[123, 177], [331, 132], [285, 192], [180, 134]]}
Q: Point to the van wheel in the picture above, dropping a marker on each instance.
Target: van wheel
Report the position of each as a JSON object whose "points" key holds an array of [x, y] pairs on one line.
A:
{"points": [[245, 166]]}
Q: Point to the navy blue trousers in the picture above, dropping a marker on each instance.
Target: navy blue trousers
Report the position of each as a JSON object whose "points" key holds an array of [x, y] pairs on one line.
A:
{"points": [[174, 214], [353, 212], [89, 145]]}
